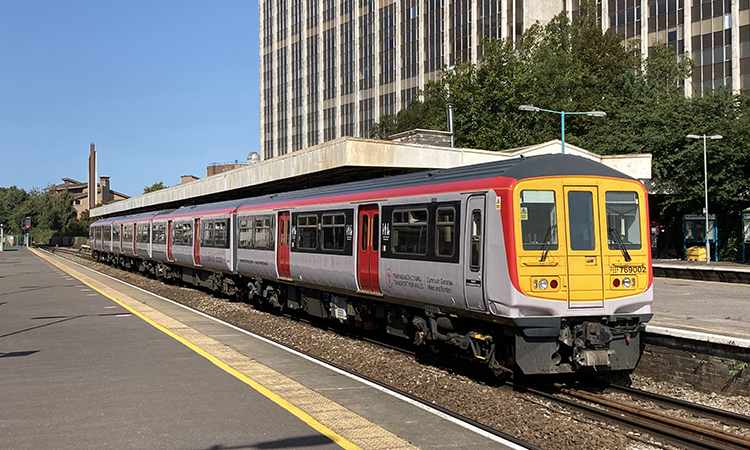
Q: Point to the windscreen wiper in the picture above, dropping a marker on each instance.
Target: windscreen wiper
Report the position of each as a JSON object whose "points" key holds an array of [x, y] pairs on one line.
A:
{"points": [[615, 236], [547, 242]]}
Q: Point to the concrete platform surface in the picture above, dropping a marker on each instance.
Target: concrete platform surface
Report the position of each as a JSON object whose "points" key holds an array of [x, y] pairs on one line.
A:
{"points": [[711, 311], [90, 362]]}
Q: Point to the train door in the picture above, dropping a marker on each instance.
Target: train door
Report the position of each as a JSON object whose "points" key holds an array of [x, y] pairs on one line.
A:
{"points": [[584, 249], [122, 232], [282, 249], [197, 242], [150, 247], [135, 239], [169, 241], [474, 253], [367, 250]]}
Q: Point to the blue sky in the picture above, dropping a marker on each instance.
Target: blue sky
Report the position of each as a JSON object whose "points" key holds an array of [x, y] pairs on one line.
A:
{"points": [[163, 88]]}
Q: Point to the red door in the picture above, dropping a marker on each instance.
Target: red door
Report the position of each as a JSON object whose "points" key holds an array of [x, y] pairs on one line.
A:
{"points": [[169, 241], [282, 248], [197, 242], [367, 248]]}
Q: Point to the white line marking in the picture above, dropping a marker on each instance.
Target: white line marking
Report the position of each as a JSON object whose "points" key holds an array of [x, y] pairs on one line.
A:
{"points": [[698, 336]]}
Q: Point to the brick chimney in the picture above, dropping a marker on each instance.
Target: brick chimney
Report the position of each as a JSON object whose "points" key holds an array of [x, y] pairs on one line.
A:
{"points": [[92, 177], [106, 193], [188, 179]]}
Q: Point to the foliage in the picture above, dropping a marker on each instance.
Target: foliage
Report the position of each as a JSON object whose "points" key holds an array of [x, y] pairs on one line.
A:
{"points": [[9, 199], [154, 187], [52, 214]]}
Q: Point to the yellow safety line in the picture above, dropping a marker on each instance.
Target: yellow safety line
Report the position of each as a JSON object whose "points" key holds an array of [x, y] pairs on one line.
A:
{"points": [[303, 416]]}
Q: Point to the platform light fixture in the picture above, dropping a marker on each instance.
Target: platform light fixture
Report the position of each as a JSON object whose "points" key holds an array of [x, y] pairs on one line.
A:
{"points": [[705, 185], [532, 108]]}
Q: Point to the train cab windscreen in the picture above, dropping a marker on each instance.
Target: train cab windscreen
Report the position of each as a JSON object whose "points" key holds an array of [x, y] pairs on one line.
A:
{"points": [[623, 220], [538, 220]]}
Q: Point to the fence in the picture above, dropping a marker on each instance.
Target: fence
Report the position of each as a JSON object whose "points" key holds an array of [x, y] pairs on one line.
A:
{"points": [[12, 240]]}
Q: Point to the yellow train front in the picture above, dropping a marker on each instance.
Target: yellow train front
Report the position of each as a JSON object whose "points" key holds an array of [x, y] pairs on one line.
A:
{"points": [[579, 260]]}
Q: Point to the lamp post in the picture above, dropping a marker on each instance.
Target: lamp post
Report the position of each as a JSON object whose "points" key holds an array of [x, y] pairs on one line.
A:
{"points": [[705, 184], [532, 108]]}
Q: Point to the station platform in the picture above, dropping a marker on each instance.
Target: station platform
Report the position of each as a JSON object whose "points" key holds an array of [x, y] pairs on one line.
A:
{"points": [[722, 271], [707, 302], [90, 362]]}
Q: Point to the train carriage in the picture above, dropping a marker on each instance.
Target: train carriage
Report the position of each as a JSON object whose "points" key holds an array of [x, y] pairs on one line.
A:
{"points": [[537, 264]]}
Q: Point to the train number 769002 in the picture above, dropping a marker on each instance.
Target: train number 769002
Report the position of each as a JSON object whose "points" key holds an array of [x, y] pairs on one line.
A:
{"points": [[627, 269]]}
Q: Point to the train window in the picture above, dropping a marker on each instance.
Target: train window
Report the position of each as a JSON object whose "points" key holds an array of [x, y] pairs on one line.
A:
{"points": [[288, 232], [116, 233], [141, 235], [476, 240], [365, 232], [214, 233], [376, 232], [182, 233], [246, 232], [127, 233], [159, 233], [409, 231], [445, 227], [307, 232], [221, 239], [263, 236], [623, 218], [107, 233], [538, 216], [207, 233], [332, 226], [581, 220]]}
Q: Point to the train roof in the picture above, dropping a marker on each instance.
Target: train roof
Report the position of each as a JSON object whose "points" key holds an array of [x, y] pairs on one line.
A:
{"points": [[553, 165], [128, 218], [216, 208], [556, 165]]}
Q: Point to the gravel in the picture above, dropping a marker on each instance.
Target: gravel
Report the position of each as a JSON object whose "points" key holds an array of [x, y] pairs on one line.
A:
{"points": [[541, 422]]}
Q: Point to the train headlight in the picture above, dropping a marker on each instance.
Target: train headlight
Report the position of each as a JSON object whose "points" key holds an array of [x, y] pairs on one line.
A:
{"points": [[543, 284], [626, 283]]}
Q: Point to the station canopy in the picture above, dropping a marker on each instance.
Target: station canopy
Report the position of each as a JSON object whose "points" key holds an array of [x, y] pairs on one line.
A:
{"points": [[347, 159]]}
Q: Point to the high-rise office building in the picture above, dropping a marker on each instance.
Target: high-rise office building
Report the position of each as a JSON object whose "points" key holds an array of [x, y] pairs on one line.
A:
{"points": [[332, 68]]}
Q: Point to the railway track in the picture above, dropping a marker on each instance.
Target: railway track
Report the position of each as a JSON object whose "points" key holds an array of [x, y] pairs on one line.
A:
{"points": [[676, 430]]}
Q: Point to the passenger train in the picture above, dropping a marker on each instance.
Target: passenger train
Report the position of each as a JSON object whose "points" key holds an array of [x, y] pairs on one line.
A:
{"points": [[540, 264]]}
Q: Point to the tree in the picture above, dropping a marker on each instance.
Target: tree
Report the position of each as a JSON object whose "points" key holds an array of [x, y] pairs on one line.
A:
{"points": [[10, 199], [154, 187], [52, 214], [385, 128]]}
